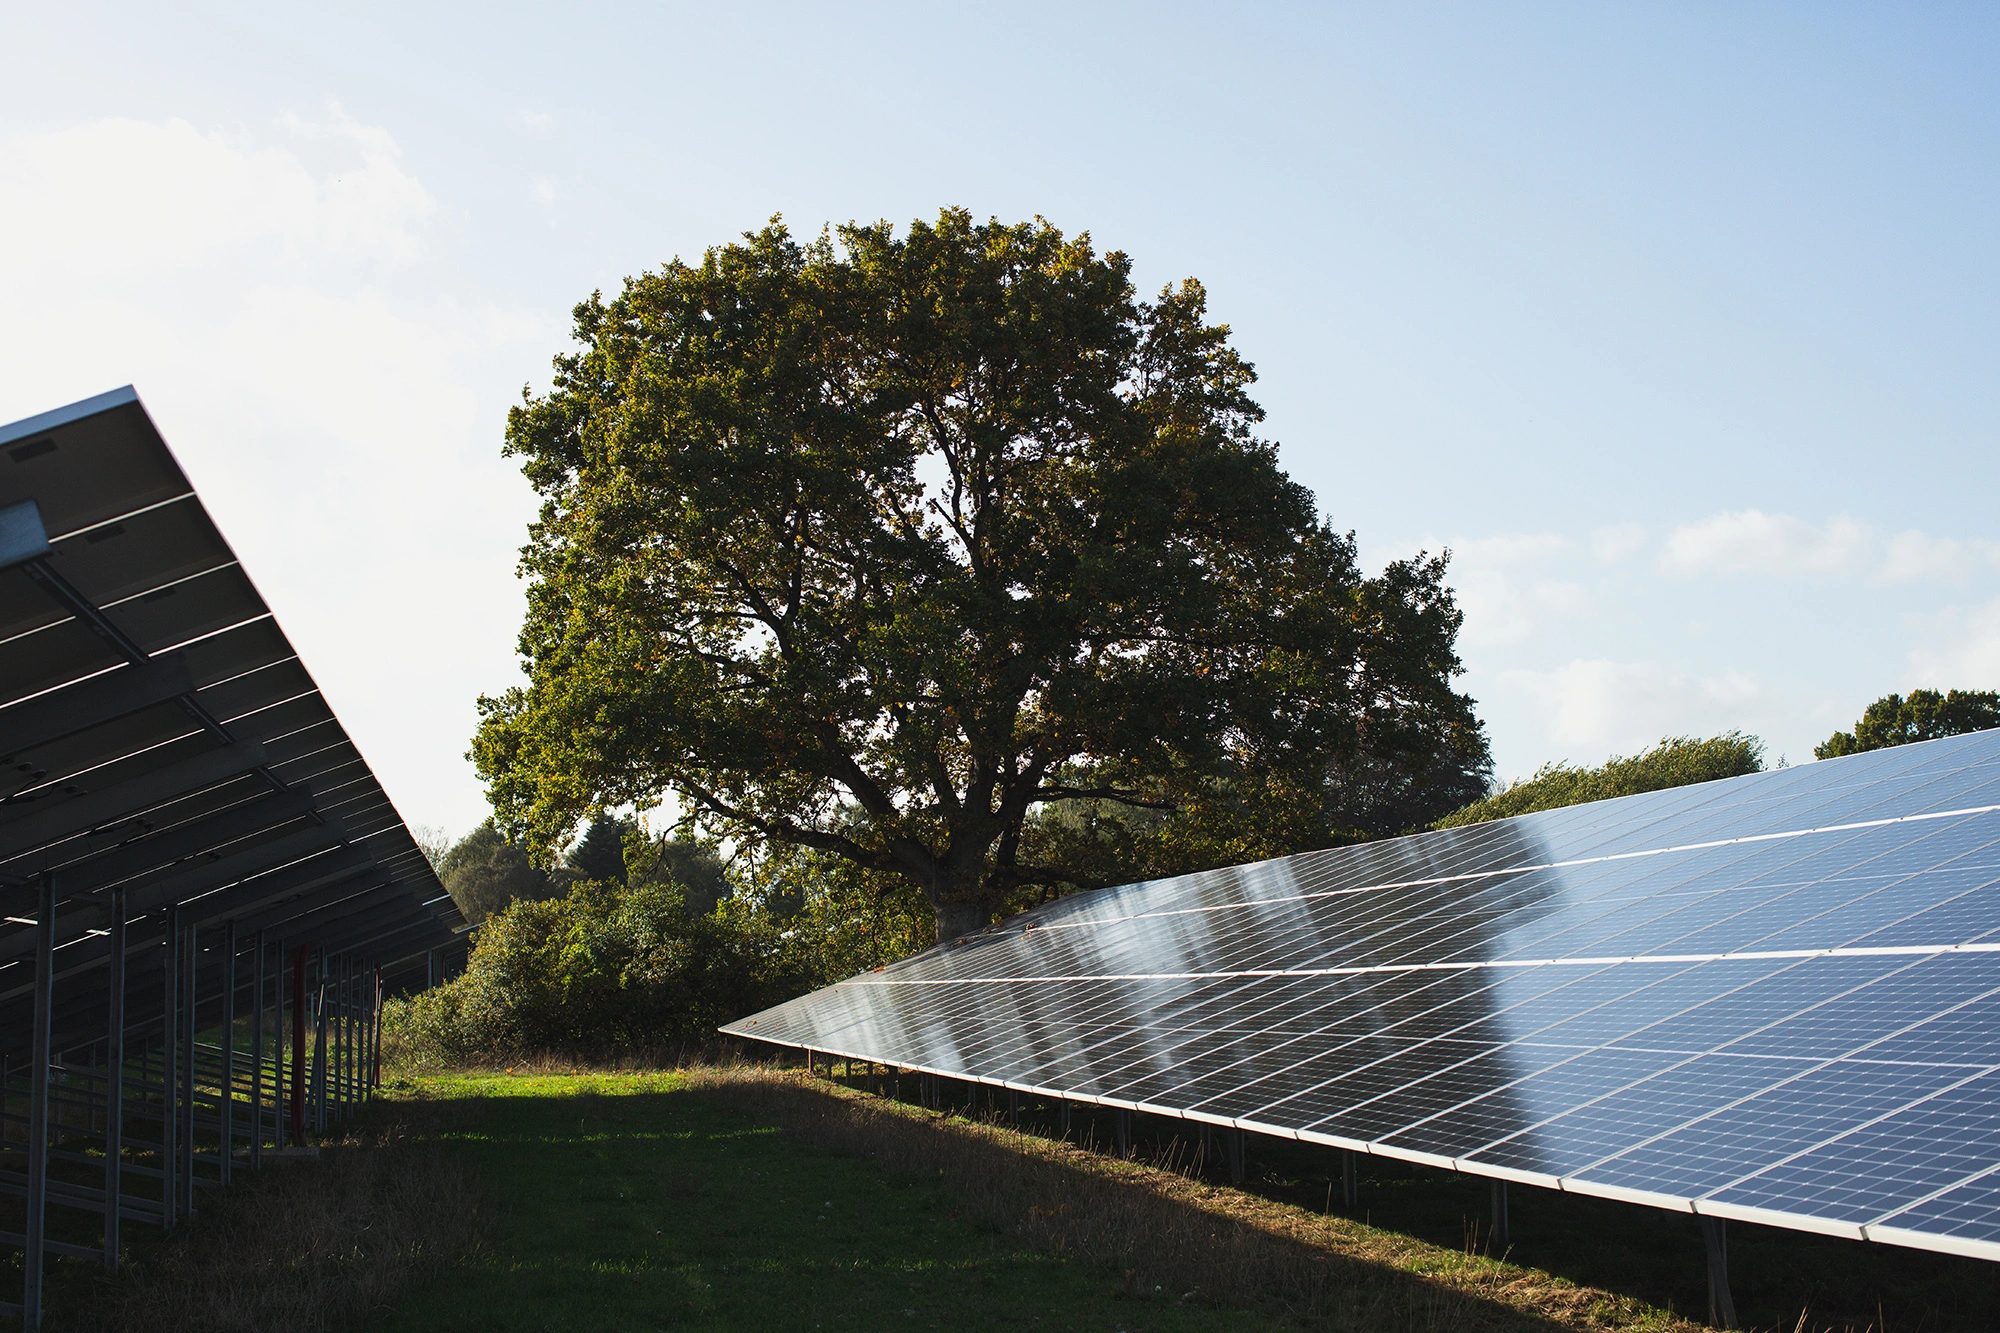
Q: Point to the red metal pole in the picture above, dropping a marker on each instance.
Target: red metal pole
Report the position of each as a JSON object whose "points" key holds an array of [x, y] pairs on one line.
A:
{"points": [[299, 1045]]}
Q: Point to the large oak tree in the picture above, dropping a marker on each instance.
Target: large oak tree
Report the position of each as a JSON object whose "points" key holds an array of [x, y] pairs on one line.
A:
{"points": [[881, 544]]}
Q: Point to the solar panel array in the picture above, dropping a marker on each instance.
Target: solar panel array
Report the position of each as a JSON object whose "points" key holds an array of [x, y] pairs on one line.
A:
{"points": [[159, 733], [1774, 998]]}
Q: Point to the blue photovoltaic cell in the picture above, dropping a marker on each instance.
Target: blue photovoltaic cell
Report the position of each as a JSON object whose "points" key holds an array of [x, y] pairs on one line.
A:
{"points": [[1777, 993]]}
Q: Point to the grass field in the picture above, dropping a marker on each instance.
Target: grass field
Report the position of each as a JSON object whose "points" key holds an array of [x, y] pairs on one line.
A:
{"points": [[622, 1202], [750, 1200]]}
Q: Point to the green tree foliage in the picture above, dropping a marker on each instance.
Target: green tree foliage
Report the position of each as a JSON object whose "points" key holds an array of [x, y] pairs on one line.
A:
{"points": [[604, 966], [1924, 716], [694, 870], [1674, 762], [600, 853], [483, 872], [833, 918], [944, 529]]}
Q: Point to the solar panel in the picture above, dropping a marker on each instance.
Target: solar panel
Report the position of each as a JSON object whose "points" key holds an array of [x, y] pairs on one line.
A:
{"points": [[1774, 998], [150, 707]]}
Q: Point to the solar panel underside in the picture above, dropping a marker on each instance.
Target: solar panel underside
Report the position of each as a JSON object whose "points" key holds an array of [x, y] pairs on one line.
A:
{"points": [[1775, 998]]}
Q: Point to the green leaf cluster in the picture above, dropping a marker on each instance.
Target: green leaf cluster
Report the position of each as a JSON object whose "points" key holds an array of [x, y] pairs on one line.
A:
{"points": [[1676, 761], [604, 966], [940, 530], [1925, 715]]}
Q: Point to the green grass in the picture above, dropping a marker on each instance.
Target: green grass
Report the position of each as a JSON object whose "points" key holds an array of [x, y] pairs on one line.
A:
{"points": [[616, 1202]]}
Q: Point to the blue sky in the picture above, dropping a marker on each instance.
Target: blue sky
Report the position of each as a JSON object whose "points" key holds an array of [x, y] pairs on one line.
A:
{"points": [[1677, 325]]}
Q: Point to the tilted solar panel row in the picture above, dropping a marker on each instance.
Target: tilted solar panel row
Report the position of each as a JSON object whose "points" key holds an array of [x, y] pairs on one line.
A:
{"points": [[159, 733], [1774, 998], [188, 837]]}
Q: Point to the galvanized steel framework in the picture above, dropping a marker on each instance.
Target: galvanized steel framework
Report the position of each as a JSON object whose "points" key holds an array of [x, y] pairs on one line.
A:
{"points": [[204, 892]]}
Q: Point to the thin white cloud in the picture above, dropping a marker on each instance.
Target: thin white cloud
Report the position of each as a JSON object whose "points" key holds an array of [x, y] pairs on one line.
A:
{"points": [[1502, 609], [1592, 707], [135, 200], [1504, 597], [543, 191], [537, 123], [1914, 556], [1509, 548], [1617, 541], [1753, 542], [1966, 654]]}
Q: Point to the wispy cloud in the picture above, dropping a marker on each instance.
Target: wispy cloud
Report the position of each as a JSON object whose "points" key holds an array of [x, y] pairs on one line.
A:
{"points": [[204, 198], [1753, 542], [1618, 541], [1965, 653], [1596, 706]]}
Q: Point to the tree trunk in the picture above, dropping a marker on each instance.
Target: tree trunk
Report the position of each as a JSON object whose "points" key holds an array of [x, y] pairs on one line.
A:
{"points": [[956, 919]]}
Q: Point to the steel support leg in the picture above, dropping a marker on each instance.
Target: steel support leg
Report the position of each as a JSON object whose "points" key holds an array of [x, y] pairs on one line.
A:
{"points": [[257, 1059], [1350, 1179], [38, 1105], [1124, 1121], [228, 1047], [320, 1016], [298, 1085], [190, 1015], [1715, 1237], [114, 1087], [1500, 1236], [1065, 1117], [1235, 1156], [170, 1075]]}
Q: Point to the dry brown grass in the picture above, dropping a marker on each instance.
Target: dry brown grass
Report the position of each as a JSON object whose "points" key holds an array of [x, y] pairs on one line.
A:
{"points": [[1173, 1234], [308, 1246]]}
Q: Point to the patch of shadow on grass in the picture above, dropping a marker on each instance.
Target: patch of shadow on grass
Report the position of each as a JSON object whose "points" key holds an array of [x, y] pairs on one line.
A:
{"points": [[1172, 1236], [308, 1246]]}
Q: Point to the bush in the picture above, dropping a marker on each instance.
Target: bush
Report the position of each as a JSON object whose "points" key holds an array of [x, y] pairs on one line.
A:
{"points": [[604, 967], [1676, 761]]}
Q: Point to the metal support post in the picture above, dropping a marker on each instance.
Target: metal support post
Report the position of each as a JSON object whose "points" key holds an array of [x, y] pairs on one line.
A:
{"points": [[228, 1046], [170, 1077], [298, 1085], [1065, 1117], [114, 1087], [1013, 1109], [38, 1105], [1350, 1179], [338, 1039], [348, 1015], [1235, 1156], [257, 1059], [375, 1032], [1715, 1237], [1500, 1237], [319, 1047], [1124, 1118], [190, 1015], [895, 1083]]}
